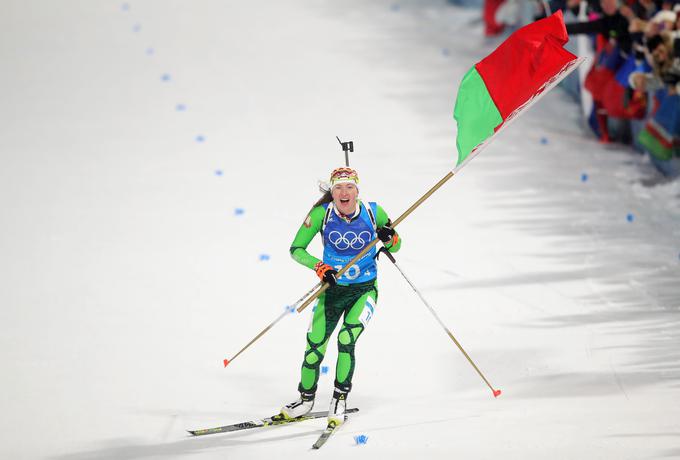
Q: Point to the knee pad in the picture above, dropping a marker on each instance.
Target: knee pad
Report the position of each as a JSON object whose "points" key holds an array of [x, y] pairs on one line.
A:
{"points": [[347, 337], [313, 356]]}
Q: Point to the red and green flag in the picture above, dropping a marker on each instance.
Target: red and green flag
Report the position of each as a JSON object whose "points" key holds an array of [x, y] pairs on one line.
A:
{"points": [[495, 89], [658, 136]]}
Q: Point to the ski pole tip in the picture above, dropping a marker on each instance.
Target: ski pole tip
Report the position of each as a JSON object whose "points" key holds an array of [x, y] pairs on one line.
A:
{"points": [[496, 393], [226, 361]]}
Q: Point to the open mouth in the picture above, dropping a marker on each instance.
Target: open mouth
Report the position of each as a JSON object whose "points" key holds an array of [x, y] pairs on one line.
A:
{"points": [[344, 200]]}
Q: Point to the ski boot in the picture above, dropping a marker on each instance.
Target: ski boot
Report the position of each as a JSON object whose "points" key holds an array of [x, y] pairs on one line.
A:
{"points": [[336, 412], [300, 407]]}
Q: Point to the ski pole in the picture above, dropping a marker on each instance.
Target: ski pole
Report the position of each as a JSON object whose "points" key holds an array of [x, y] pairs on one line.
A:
{"points": [[289, 309], [496, 392]]}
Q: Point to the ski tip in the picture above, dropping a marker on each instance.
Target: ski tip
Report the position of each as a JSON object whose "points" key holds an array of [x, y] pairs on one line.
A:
{"points": [[496, 393], [226, 362], [192, 433]]}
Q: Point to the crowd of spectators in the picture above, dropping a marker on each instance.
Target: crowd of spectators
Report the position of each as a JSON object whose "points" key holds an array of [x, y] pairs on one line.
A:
{"points": [[634, 78]]}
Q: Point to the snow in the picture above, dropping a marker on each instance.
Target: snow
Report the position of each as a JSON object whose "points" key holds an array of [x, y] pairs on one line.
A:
{"points": [[130, 268]]}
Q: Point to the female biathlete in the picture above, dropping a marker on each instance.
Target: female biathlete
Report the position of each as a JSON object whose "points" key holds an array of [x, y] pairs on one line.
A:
{"points": [[346, 225]]}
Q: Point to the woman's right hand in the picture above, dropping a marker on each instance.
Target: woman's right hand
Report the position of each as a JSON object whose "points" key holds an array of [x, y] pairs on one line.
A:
{"points": [[326, 273]]}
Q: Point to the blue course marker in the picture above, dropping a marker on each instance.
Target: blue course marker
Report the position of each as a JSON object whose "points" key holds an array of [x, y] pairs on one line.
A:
{"points": [[264, 257], [239, 211], [218, 172], [165, 77], [125, 7], [181, 107], [584, 177], [136, 27], [324, 370], [200, 138], [630, 217], [150, 51], [544, 140], [395, 7], [445, 52], [361, 439]]}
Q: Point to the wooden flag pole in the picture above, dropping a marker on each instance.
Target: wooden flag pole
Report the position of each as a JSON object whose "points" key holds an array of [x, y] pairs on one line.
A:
{"points": [[550, 84]]}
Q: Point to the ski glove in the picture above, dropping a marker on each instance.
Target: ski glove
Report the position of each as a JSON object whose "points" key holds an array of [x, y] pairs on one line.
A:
{"points": [[326, 273], [386, 233]]}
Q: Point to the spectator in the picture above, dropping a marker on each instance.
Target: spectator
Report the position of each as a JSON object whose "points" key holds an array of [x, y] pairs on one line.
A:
{"points": [[660, 136], [612, 25], [659, 52]]}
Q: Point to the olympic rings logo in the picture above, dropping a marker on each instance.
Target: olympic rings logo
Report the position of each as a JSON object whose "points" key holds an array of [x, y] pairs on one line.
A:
{"points": [[349, 239]]}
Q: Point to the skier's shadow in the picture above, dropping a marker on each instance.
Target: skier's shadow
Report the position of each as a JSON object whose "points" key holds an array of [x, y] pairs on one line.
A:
{"points": [[132, 449]]}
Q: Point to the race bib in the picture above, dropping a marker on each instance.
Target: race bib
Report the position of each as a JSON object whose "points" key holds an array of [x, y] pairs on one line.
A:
{"points": [[367, 313]]}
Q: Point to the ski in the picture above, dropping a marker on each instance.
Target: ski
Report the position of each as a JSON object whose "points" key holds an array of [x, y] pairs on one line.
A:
{"points": [[274, 420], [330, 429]]}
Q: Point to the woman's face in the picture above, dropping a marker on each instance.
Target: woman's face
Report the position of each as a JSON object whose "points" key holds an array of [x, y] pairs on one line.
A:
{"points": [[345, 198]]}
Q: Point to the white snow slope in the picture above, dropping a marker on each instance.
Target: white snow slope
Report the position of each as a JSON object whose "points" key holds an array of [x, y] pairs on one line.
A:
{"points": [[132, 135]]}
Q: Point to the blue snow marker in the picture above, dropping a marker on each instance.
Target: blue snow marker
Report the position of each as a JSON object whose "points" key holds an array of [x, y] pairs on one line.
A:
{"points": [[324, 370], [361, 439], [544, 140], [218, 172], [264, 257], [136, 27], [165, 77], [150, 51], [181, 108], [200, 138], [584, 177], [630, 217], [125, 7], [395, 7], [239, 211], [445, 52]]}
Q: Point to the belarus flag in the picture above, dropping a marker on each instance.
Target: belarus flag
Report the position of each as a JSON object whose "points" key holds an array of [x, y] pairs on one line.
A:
{"points": [[531, 61]]}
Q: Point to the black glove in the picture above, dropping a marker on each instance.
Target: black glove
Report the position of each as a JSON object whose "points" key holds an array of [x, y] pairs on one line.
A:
{"points": [[386, 233], [326, 273]]}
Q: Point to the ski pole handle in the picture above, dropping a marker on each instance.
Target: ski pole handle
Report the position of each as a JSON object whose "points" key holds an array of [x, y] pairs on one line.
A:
{"points": [[389, 255]]}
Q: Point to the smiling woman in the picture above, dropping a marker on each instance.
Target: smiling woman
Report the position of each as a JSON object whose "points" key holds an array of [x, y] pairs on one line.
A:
{"points": [[345, 191], [346, 226]]}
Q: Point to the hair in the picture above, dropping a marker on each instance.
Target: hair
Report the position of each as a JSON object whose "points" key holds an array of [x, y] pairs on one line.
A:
{"points": [[325, 198], [661, 68]]}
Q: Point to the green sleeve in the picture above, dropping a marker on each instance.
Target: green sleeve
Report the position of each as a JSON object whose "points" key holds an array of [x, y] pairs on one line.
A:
{"points": [[381, 220], [309, 228]]}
